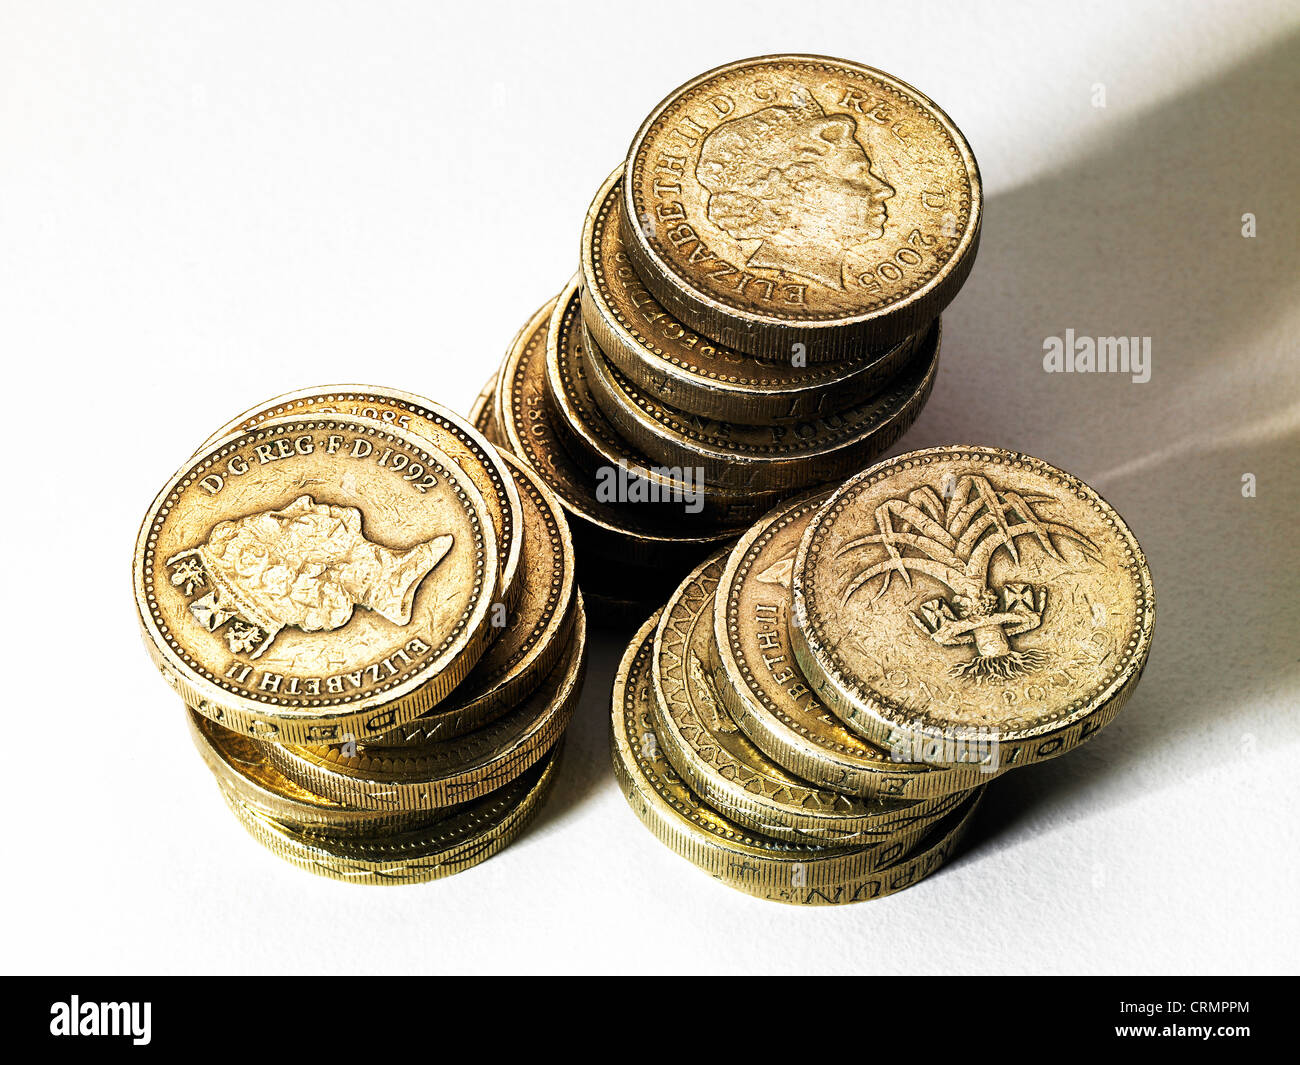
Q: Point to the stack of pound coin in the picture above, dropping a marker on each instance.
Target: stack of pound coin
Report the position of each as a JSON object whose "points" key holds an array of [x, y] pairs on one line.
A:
{"points": [[372, 614], [814, 714], [755, 313]]}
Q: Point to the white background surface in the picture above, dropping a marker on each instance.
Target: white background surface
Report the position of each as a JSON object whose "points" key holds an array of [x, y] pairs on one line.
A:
{"points": [[205, 206]]}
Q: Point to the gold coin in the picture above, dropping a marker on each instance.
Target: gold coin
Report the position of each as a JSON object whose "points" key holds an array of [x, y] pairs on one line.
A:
{"points": [[769, 698], [959, 597], [690, 373], [719, 763], [241, 768], [444, 430], [480, 414], [535, 633], [316, 576], [599, 448], [450, 844], [801, 200], [625, 533], [448, 772], [799, 873], [772, 458]]}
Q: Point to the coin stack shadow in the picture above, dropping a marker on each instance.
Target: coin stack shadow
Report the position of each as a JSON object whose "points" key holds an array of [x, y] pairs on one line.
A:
{"points": [[667, 419], [436, 793], [815, 713]]}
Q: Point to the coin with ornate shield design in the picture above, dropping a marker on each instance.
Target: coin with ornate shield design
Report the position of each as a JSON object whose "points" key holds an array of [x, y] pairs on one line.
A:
{"points": [[959, 596], [315, 577], [448, 432], [726, 770], [801, 200], [806, 873]]}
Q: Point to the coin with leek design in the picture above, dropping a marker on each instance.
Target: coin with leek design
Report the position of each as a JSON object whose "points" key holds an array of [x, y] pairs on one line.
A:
{"points": [[769, 698], [959, 596], [725, 769]]}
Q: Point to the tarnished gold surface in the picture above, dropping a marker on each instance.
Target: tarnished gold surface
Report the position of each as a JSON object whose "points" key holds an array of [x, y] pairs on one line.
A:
{"points": [[690, 373], [719, 763], [792, 199], [619, 532], [444, 773], [480, 414], [239, 763], [800, 873], [769, 698], [594, 441], [448, 432], [466, 836], [774, 458], [316, 577], [535, 635], [960, 589]]}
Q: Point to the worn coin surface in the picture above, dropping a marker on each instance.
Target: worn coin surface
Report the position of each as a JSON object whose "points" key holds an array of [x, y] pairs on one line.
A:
{"points": [[598, 446], [240, 765], [773, 458], [464, 837], [443, 773], [721, 765], [619, 532], [796, 199], [683, 370], [447, 431], [798, 873], [768, 697], [955, 597], [316, 576], [480, 414], [533, 636]]}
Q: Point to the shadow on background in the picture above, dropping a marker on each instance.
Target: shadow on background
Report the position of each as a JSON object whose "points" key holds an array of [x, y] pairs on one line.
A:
{"points": [[1143, 237], [1139, 236]]}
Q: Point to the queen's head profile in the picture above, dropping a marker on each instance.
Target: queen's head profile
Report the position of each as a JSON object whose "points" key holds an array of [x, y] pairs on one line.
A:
{"points": [[797, 180]]}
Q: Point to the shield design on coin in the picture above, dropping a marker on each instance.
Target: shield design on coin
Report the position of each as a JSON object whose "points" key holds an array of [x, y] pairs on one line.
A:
{"points": [[308, 566]]}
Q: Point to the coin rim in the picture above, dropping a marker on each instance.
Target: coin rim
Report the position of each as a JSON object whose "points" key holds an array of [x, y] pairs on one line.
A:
{"points": [[509, 552], [741, 400], [825, 338], [869, 713], [318, 770], [401, 702], [723, 785]]}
